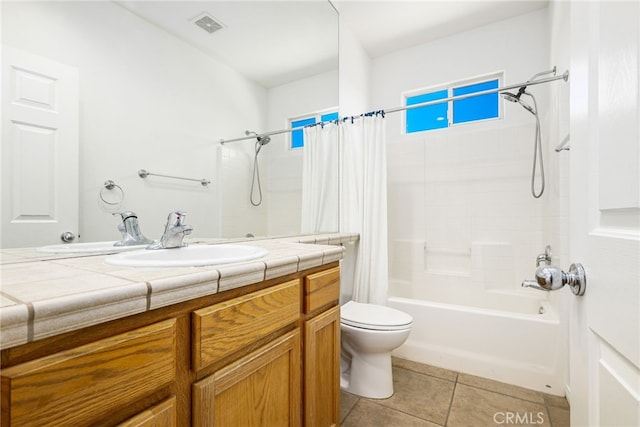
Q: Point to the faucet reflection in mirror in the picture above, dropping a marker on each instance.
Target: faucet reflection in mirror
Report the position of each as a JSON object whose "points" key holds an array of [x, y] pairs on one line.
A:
{"points": [[130, 229], [174, 232]]}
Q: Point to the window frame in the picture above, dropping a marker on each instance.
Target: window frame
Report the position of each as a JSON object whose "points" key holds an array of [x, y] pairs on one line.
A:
{"points": [[317, 115], [449, 87]]}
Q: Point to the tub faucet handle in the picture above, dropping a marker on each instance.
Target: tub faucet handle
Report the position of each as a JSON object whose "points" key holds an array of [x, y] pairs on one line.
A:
{"points": [[551, 278]]}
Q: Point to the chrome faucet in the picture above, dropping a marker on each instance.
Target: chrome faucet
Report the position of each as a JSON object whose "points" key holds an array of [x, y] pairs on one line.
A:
{"points": [[130, 229], [174, 232]]}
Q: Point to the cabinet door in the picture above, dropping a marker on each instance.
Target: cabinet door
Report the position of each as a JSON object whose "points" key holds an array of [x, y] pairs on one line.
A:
{"points": [[161, 415], [261, 389], [322, 369]]}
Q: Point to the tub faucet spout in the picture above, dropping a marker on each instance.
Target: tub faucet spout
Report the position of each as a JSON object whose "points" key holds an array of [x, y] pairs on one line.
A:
{"points": [[174, 232], [532, 284]]}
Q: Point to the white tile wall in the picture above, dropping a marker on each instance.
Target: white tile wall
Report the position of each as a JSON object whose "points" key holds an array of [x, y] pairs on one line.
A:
{"points": [[461, 197]]}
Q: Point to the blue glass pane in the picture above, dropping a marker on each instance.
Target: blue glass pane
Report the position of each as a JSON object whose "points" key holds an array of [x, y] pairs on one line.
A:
{"points": [[297, 136], [329, 117], [429, 117], [477, 107]]}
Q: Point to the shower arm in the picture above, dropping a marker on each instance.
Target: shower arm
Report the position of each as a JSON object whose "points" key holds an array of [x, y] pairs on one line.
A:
{"points": [[564, 76]]}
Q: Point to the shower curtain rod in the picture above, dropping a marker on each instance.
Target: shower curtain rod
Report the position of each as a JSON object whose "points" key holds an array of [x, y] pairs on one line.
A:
{"points": [[564, 76]]}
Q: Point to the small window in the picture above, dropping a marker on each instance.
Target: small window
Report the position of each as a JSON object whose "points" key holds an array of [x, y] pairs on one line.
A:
{"points": [[428, 117], [297, 136], [451, 113], [329, 117], [480, 107]]}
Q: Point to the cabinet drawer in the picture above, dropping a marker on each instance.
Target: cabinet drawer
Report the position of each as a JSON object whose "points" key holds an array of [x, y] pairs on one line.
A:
{"points": [[81, 385], [163, 414], [321, 289], [222, 329]]}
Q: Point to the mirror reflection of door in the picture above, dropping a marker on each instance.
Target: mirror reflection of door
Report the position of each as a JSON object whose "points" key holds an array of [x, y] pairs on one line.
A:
{"points": [[39, 150]]}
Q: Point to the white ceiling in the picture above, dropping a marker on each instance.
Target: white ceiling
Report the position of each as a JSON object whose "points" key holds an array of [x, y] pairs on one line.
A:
{"points": [[273, 42], [386, 26], [270, 42]]}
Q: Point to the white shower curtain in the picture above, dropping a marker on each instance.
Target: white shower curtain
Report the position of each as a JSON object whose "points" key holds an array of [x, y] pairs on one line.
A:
{"points": [[320, 179], [363, 203]]}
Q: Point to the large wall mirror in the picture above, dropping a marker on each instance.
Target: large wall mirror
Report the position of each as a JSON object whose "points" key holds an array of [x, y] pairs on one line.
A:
{"points": [[156, 89]]}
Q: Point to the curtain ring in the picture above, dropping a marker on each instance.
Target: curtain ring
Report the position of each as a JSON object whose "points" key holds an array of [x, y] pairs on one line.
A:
{"points": [[110, 186]]}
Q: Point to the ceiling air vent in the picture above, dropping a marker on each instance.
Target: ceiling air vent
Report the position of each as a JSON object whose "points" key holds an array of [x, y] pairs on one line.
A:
{"points": [[207, 23]]}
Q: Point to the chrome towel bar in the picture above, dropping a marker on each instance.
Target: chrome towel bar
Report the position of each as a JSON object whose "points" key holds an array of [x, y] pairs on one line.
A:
{"points": [[142, 173]]}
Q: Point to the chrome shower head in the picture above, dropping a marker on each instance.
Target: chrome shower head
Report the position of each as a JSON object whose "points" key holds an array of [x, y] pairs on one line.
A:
{"points": [[262, 139], [516, 98], [510, 97]]}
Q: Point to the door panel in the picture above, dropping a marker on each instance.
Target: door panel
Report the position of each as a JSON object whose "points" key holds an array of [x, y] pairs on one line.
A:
{"points": [[605, 213], [39, 149]]}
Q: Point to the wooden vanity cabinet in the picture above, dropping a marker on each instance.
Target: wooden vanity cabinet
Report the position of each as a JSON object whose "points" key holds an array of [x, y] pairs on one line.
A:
{"points": [[260, 389], [322, 348], [163, 414], [84, 384], [263, 387], [263, 355]]}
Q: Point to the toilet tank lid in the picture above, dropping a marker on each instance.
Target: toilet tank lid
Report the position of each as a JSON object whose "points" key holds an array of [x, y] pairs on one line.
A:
{"points": [[374, 315]]}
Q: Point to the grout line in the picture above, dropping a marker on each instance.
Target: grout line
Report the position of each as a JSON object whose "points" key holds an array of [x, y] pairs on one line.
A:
{"points": [[350, 410], [388, 408], [30, 322], [453, 394]]}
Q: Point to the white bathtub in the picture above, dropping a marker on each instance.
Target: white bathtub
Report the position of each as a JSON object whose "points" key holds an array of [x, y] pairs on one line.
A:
{"points": [[517, 341]]}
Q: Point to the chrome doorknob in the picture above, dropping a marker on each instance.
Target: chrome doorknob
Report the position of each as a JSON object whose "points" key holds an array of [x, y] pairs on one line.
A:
{"points": [[551, 278], [67, 237]]}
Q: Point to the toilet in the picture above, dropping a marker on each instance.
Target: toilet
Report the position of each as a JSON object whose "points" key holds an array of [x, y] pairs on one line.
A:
{"points": [[369, 333]]}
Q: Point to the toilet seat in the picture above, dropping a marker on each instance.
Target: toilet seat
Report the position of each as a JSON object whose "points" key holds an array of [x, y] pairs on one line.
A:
{"points": [[374, 317]]}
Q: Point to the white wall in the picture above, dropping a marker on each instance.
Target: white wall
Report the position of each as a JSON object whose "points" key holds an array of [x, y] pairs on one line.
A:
{"points": [[147, 100], [461, 215], [355, 74]]}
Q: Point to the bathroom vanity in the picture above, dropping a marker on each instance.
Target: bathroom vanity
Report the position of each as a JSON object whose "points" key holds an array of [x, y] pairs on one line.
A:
{"points": [[261, 347]]}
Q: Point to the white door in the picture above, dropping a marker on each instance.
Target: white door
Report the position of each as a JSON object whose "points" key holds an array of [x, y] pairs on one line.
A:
{"points": [[39, 150], [605, 213]]}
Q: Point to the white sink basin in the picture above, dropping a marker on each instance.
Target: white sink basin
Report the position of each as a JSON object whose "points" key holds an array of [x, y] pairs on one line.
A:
{"points": [[190, 256], [87, 248]]}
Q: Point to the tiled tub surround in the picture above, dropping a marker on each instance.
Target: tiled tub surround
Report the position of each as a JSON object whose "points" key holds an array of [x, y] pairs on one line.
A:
{"points": [[42, 297]]}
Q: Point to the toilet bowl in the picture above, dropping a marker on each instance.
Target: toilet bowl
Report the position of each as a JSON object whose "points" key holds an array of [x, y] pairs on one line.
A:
{"points": [[369, 333]]}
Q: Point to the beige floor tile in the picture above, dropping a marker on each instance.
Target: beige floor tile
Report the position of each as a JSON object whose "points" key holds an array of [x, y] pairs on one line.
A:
{"points": [[559, 417], [498, 387], [366, 413], [473, 407], [420, 395], [556, 401], [347, 402], [434, 371]]}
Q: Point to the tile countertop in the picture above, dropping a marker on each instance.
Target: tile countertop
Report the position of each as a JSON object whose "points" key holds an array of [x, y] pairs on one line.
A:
{"points": [[40, 298]]}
